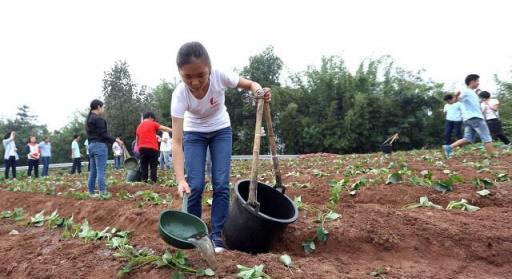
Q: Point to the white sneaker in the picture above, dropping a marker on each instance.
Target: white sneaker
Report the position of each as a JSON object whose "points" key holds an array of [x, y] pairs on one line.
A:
{"points": [[219, 250]]}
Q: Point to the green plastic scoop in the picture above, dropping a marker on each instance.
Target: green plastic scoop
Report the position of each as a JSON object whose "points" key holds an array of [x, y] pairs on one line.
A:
{"points": [[178, 226]]}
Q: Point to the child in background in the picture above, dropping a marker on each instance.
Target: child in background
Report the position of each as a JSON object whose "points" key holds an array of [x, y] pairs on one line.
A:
{"points": [[33, 157], [118, 154], [489, 108], [474, 122], [76, 156], [11, 154], [453, 122], [165, 150]]}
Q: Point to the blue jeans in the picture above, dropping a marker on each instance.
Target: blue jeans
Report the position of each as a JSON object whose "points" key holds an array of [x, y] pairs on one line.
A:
{"points": [[98, 153], [475, 126], [117, 162], [165, 162], [220, 144], [46, 164]]}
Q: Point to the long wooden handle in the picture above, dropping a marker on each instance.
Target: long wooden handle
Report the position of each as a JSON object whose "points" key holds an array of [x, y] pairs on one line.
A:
{"points": [[253, 200], [126, 154], [273, 148]]}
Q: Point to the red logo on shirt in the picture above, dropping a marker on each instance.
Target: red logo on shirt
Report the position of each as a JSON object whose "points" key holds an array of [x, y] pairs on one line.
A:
{"points": [[213, 102]]}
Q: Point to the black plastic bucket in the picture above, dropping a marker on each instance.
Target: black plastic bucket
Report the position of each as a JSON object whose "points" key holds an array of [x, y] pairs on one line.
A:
{"points": [[251, 232], [387, 148]]}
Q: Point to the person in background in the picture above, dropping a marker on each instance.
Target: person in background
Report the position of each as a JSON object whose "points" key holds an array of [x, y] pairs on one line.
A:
{"points": [[76, 156], [34, 154], [86, 145], [489, 108], [165, 151], [148, 145], [474, 122], [99, 139], [46, 153], [200, 120], [118, 155], [453, 122], [11, 154]]}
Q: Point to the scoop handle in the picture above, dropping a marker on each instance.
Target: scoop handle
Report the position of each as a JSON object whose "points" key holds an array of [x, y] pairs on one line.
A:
{"points": [[184, 203]]}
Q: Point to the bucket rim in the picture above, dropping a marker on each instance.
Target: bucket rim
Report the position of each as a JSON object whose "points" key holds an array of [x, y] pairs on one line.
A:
{"points": [[260, 214]]}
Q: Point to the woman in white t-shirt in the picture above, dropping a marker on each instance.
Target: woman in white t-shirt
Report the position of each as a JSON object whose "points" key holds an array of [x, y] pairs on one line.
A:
{"points": [[490, 110], [200, 120]]}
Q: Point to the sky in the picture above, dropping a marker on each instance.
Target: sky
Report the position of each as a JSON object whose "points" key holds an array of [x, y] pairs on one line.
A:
{"points": [[53, 54]]}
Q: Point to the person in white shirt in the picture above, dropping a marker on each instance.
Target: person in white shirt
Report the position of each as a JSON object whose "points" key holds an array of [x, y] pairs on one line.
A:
{"points": [[165, 151], [76, 156], [200, 120], [489, 108], [453, 122], [118, 155], [11, 154]]}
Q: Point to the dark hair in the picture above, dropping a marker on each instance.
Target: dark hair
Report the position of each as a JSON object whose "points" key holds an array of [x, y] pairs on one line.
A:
{"points": [[484, 95], [149, 114], [471, 77], [190, 51], [95, 104], [29, 138], [76, 136], [8, 135], [448, 97]]}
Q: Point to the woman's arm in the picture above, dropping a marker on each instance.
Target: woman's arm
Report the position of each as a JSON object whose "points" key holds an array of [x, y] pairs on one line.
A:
{"points": [[178, 155], [254, 87]]}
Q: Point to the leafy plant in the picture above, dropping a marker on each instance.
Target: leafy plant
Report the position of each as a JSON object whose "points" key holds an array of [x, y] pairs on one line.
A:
{"points": [[484, 193], [255, 272], [424, 202], [286, 260], [483, 183], [309, 246], [298, 202], [37, 220], [394, 178], [462, 205]]}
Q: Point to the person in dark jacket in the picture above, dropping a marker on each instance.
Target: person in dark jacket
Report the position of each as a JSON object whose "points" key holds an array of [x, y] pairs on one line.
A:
{"points": [[99, 140]]}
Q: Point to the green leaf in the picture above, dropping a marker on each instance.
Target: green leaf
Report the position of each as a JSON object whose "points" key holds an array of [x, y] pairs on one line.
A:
{"points": [[309, 246], [394, 178], [286, 260], [484, 192], [298, 202], [424, 202], [322, 234], [331, 216], [38, 219], [462, 205]]}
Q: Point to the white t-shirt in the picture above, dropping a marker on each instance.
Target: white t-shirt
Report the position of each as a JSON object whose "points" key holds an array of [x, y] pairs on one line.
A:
{"points": [[488, 112], [75, 149], [208, 114], [166, 143], [116, 148], [453, 112]]}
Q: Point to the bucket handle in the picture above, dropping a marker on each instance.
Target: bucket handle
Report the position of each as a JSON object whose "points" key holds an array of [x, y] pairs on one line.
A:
{"points": [[273, 149], [253, 200], [184, 203]]}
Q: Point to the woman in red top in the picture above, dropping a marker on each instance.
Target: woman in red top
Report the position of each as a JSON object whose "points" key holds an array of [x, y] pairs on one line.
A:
{"points": [[148, 145]]}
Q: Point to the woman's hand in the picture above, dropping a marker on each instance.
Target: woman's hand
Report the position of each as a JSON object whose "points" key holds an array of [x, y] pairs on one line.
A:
{"points": [[183, 188], [267, 94]]}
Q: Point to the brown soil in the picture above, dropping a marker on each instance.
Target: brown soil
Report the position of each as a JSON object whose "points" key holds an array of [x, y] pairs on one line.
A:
{"points": [[373, 232]]}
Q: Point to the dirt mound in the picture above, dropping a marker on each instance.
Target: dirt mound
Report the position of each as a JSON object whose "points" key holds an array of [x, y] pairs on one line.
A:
{"points": [[374, 234]]}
